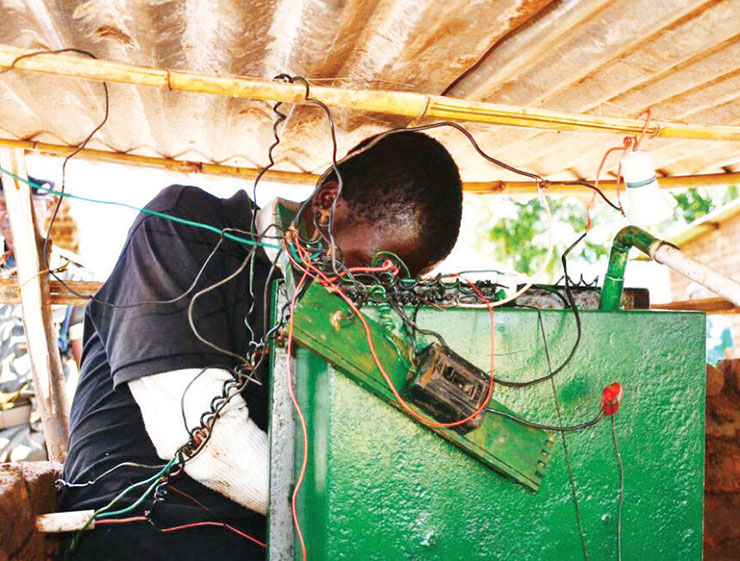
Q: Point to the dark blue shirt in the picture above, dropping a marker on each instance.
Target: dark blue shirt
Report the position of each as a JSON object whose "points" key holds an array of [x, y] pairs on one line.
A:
{"points": [[159, 261]]}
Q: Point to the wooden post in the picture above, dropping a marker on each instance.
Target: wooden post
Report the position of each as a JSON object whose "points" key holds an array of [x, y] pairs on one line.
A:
{"points": [[46, 364]]}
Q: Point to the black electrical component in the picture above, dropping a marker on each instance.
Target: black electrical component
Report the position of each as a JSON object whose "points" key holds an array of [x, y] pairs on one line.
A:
{"points": [[447, 386]]}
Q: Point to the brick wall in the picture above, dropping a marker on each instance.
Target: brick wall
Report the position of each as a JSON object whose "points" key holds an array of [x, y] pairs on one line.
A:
{"points": [[719, 249], [64, 232]]}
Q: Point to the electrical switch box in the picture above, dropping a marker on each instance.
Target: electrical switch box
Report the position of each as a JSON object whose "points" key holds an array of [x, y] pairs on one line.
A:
{"points": [[448, 386]]}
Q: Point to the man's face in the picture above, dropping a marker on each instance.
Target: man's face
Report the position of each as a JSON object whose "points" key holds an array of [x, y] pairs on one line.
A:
{"points": [[42, 206], [359, 241]]}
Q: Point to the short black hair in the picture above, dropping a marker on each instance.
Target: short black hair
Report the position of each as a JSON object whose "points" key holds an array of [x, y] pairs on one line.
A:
{"points": [[405, 173]]}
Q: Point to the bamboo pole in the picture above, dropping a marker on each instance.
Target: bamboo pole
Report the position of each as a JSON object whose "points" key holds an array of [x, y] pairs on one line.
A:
{"points": [[572, 188], [46, 364], [58, 294], [297, 178], [170, 164], [407, 104]]}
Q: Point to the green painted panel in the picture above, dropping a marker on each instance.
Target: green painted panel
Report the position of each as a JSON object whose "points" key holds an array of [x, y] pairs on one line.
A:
{"points": [[379, 486], [519, 451]]}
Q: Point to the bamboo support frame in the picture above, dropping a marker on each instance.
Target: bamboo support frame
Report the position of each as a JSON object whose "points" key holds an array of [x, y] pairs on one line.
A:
{"points": [[43, 350], [58, 294], [297, 178], [406, 104]]}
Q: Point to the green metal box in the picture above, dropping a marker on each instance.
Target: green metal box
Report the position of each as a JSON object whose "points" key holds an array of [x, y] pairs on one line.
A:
{"points": [[380, 486]]}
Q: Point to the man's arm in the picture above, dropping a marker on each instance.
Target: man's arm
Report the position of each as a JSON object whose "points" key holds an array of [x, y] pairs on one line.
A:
{"points": [[235, 461], [75, 334]]}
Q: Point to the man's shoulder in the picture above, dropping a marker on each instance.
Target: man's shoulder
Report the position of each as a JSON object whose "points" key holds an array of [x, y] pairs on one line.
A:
{"points": [[192, 201], [179, 196]]}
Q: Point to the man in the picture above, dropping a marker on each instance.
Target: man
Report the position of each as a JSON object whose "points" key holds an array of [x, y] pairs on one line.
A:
{"points": [[145, 375], [21, 438]]}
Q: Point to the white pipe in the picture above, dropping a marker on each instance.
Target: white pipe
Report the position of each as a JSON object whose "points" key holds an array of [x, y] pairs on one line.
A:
{"points": [[675, 259]]}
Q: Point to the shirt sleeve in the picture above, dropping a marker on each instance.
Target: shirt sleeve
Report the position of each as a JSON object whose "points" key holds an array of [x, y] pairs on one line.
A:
{"points": [[160, 261]]}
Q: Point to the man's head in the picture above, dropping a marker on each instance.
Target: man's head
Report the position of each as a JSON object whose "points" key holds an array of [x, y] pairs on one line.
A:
{"points": [[42, 207], [401, 194]]}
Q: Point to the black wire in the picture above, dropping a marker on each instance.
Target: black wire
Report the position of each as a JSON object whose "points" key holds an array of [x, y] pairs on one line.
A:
{"points": [[334, 167], [597, 190], [72, 154], [571, 476], [194, 299], [579, 328], [280, 118], [413, 325], [266, 291], [252, 224], [541, 181], [572, 428], [184, 393], [79, 148], [621, 489]]}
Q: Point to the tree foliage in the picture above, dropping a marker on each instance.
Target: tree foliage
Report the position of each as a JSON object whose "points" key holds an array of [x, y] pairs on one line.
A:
{"points": [[521, 242], [695, 203], [519, 236]]}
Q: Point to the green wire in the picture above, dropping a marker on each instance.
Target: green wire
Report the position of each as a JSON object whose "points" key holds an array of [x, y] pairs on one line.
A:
{"points": [[152, 482], [135, 504], [100, 513], [169, 217]]}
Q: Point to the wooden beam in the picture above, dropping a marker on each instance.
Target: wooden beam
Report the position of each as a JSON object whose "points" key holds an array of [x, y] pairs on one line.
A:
{"points": [[10, 292], [169, 164], [41, 338], [299, 178], [407, 104], [716, 305]]}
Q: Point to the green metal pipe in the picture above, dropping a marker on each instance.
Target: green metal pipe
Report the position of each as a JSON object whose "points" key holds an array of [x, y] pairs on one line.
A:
{"points": [[627, 238]]}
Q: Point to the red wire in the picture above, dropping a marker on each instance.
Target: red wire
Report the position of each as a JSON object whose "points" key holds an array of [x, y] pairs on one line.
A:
{"points": [[647, 114], [188, 496], [308, 266], [628, 140], [627, 143], [184, 526], [387, 267], [299, 412], [106, 521], [209, 523]]}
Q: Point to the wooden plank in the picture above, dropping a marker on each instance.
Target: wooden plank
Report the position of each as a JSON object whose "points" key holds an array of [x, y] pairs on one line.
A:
{"points": [[46, 364], [709, 305], [10, 294]]}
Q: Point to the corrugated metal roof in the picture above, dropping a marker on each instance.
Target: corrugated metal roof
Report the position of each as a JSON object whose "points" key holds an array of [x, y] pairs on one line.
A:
{"points": [[612, 58]]}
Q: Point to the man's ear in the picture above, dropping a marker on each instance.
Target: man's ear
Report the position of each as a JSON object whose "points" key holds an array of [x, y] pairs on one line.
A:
{"points": [[325, 196]]}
